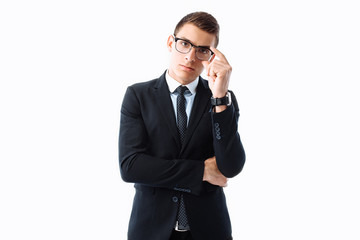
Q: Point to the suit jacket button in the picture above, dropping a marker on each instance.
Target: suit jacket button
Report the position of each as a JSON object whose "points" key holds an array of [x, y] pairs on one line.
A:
{"points": [[175, 199]]}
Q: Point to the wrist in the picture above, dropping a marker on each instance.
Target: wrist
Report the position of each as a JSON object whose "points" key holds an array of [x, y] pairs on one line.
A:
{"points": [[218, 109], [223, 101], [219, 94]]}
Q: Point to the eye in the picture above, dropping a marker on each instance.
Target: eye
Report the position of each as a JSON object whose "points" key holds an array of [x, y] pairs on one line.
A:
{"points": [[184, 43], [204, 50]]}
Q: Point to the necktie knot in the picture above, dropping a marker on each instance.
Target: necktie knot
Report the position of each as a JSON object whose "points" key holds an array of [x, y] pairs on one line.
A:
{"points": [[181, 89]]}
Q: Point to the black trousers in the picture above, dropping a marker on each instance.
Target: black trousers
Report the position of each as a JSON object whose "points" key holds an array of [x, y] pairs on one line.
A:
{"points": [[181, 235]]}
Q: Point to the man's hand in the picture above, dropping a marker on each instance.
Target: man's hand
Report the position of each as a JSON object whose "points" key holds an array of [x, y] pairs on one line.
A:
{"points": [[218, 72], [212, 173]]}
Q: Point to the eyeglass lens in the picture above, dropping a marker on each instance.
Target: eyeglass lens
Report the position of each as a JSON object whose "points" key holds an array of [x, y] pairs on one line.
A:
{"points": [[201, 53]]}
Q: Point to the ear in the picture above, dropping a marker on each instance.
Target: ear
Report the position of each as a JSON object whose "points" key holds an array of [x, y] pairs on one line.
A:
{"points": [[170, 43]]}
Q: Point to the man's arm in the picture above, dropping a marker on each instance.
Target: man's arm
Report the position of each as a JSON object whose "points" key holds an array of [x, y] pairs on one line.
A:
{"points": [[229, 152], [138, 166]]}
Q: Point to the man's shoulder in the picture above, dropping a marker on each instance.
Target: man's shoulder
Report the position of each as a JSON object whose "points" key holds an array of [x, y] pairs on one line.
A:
{"points": [[143, 86]]}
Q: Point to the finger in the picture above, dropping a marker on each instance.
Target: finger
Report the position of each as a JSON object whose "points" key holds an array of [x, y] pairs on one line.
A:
{"points": [[218, 54], [225, 183], [206, 65]]}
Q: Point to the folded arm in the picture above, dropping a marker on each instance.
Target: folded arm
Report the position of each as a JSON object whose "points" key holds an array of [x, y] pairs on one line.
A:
{"points": [[137, 165]]}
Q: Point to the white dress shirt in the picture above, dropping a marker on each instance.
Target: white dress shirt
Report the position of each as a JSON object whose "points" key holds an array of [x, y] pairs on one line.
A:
{"points": [[189, 94]]}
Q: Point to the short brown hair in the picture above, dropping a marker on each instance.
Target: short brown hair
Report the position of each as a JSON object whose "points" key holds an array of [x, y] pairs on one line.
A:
{"points": [[202, 20]]}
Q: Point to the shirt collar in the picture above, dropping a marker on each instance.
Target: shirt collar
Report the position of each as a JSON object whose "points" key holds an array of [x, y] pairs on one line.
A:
{"points": [[173, 84]]}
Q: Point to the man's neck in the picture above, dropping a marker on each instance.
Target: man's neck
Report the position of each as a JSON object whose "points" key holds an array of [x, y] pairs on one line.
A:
{"points": [[173, 83]]}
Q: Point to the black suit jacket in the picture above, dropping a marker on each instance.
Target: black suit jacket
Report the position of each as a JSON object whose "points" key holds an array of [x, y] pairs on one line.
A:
{"points": [[151, 156]]}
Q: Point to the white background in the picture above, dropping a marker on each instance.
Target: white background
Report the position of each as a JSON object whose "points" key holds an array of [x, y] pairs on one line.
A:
{"points": [[64, 67]]}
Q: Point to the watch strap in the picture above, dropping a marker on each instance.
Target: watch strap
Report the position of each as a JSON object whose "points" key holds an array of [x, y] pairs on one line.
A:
{"points": [[221, 101]]}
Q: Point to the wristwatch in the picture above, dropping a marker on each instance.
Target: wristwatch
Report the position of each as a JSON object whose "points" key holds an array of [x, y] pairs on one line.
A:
{"points": [[221, 101]]}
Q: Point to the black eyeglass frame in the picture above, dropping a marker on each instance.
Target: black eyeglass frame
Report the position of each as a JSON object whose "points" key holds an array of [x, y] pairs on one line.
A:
{"points": [[192, 46]]}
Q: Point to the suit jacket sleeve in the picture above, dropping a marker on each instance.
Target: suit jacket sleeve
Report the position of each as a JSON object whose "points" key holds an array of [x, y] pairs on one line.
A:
{"points": [[229, 151], [138, 166]]}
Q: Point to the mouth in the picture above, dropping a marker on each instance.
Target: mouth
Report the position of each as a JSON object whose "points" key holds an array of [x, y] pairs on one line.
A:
{"points": [[187, 68]]}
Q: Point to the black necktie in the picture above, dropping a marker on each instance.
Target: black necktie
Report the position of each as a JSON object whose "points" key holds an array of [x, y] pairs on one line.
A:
{"points": [[181, 112], [182, 126]]}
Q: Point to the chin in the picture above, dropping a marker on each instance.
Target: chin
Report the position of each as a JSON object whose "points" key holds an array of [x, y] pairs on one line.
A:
{"points": [[186, 77]]}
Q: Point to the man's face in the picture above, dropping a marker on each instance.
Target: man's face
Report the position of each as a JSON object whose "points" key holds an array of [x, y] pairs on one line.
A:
{"points": [[185, 68]]}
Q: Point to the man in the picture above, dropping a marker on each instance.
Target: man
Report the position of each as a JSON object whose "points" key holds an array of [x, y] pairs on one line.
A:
{"points": [[179, 141]]}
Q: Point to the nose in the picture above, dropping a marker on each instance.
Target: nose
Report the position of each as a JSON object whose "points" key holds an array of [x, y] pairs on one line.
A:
{"points": [[191, 56]]}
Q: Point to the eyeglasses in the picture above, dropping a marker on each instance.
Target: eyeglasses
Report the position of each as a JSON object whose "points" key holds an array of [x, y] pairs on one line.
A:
{"points": [[184, 46]]}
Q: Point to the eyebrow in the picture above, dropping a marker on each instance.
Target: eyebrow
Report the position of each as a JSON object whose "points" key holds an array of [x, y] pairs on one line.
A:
{"points": [[184, 38]]}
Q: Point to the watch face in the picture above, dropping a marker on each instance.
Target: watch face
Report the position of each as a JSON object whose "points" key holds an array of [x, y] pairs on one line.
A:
{"points": [[228, 94]]}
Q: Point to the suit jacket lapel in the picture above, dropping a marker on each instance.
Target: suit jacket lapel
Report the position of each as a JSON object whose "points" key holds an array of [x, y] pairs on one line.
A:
{"points": [[165, 107], [200, 107]]}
